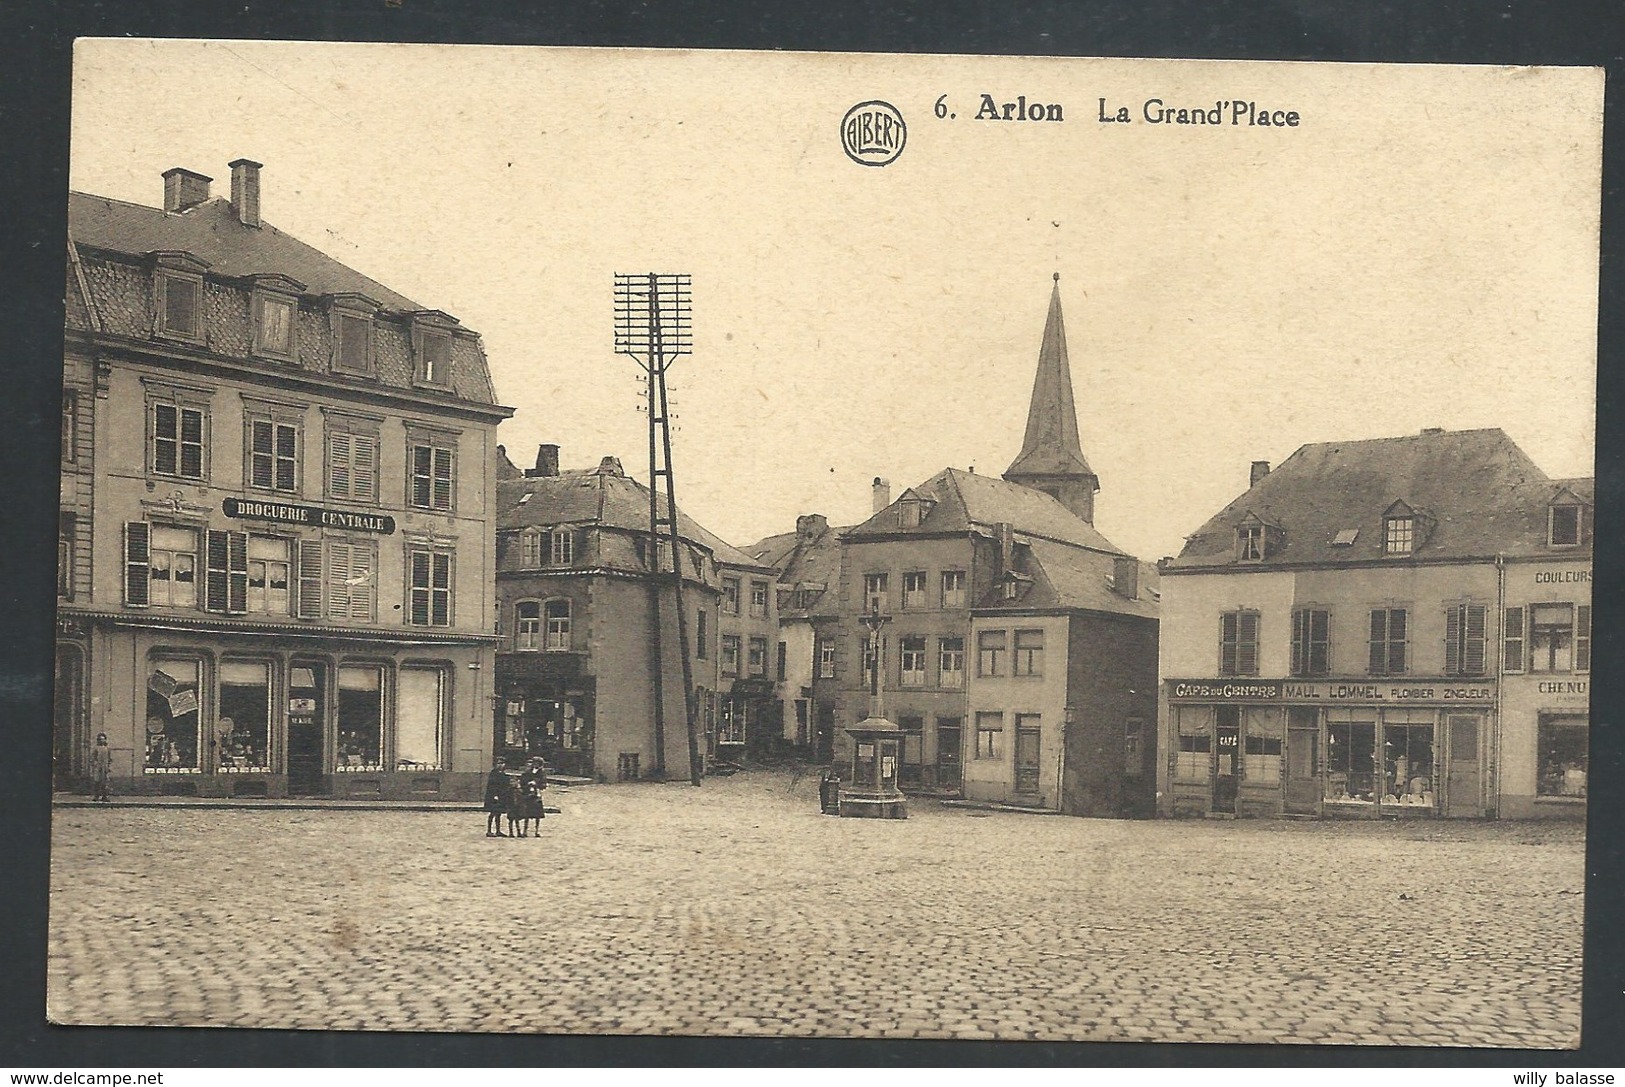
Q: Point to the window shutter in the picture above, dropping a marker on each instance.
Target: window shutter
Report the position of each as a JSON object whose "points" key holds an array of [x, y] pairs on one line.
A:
{"points": [[1299, 638], [1582, 638], [1512, 640], [442, 479], [1472, 660], [260, 454], [1452, 641], [137, 561], [287, 457], [214, 565], [364, 468], [1377, 661], [339, 456], [1320, 642], [418, 605], [1227, 644], [1398, 623], [362, 588], [310, 579], [1247, 643], [440, 607], [237, 572]]}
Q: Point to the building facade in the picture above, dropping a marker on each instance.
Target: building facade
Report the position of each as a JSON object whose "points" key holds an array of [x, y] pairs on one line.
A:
{"points": [[277, 520], [1390, 627], [577, 667], [750, 662]]}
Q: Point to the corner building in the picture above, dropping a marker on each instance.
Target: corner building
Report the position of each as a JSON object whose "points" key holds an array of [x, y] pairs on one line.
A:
{"points": [[277, 532], [1399, 626]]}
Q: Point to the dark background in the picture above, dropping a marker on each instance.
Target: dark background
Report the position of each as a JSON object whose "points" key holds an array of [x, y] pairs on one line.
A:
{"points": [[35, 47]]}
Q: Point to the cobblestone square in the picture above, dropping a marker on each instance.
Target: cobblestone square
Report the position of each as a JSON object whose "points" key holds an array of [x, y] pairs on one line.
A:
{"points": [[736, 909]]}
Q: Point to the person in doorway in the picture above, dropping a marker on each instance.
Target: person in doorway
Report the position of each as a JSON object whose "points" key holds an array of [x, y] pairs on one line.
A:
{"points": [[496, 800], [101, 765]]}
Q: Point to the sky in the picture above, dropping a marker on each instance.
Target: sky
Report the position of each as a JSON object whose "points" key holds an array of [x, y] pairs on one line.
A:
{"points": [[1420, 250]]}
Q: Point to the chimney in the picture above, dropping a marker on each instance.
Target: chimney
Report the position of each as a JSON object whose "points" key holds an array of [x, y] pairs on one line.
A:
{"points": [[505, 467], [184, 189], [1006, 533], [810, 526], [547, 460], [881, 491], [1126, 576], [245, 191], [1261, 468], [611, 466]]}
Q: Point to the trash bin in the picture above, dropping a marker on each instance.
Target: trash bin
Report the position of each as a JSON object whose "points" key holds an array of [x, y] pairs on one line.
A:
{"points": [[829, 793]]}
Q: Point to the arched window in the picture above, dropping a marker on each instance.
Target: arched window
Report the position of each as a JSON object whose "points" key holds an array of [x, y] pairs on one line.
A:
{"points": [[558, 626], [527, 632]]}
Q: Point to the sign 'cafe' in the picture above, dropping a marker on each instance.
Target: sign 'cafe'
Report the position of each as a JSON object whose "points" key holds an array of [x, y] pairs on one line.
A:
{"points": [[1331, 748]]}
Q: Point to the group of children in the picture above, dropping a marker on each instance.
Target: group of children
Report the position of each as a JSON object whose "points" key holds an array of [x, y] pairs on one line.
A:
{"points": [[518, 797]]}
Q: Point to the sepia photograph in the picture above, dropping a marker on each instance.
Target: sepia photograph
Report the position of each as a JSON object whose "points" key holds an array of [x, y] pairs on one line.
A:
{"points": [[686, 543]]}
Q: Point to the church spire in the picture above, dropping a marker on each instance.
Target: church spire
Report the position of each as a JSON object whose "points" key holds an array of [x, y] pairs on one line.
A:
{"points": [[1051, 458]]}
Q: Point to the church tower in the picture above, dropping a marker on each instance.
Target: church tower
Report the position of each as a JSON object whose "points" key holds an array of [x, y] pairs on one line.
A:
{"points": [[1051, 459]]}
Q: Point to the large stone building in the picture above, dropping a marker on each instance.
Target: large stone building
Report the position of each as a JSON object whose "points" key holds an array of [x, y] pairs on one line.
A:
{"points": [[1399, 626], [576, 671], [277, 531], [1019, 647]]}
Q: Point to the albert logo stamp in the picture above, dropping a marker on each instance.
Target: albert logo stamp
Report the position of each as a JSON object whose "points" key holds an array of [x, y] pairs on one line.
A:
{"points": [[873, 133]]}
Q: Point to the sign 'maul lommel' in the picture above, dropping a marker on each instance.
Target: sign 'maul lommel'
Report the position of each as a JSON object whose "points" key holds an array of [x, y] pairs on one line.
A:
{"points": [[286, 513]]}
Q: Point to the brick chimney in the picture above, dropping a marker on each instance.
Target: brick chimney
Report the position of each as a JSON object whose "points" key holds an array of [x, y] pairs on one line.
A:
{"points": [[547, 460], [1006, 534], [245, 191], [611, 466], [184, 189], [1126, 576], [880, 491], [1261, 468], [810, 526]]}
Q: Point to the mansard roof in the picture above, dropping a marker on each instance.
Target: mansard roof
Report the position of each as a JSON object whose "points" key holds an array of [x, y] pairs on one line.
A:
{"points": [[1482, 493]]}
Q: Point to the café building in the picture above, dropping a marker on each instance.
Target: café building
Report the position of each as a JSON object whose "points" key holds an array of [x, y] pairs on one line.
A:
{"points": [[277, 534], [1391, 627]]}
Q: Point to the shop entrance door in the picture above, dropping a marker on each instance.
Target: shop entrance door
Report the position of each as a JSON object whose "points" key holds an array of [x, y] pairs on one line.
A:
{"points": [[1227, 742], [1302, 762], [307, 724], [948, 767], [1464, 783], [1027, 748]]}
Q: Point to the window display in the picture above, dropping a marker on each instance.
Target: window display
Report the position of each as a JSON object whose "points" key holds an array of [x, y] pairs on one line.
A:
{"points": [[1261, 757], [172, 717], [1351, 748], [418, 718], [361, 718], [242, 729], [1407, 757], [1195, 725], [1562, 756]]}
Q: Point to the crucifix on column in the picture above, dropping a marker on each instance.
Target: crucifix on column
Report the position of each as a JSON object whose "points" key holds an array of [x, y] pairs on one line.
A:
{"points": [[873, 622]]}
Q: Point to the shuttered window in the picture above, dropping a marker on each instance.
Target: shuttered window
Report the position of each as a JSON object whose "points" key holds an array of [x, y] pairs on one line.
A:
{"points": [[1238, 643], [350, 577], [432, 472], [177, 440], [352, 466], [1464, 626], [226, 572], [1389, 641], [430, 591], [137, 562], [273, 455], [1512, 641], [310, 579]]}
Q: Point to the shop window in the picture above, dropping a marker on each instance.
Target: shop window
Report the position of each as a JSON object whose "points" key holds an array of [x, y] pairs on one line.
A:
{"points": [[179, 436], [419, 718], [1407, 758], [702, 634], [826, 658], [1551, 637], [352, 465], [757, 659], [168, 576], [730, 722], [730, 596], [911, 661], [1238, 643], [360, 718], [953, 588], [1134, 747], [172, 716], [1261, 744], [1194, 761], [1311, 642], [269, 570], [914, 589], [273, 325], [1563, 756], [1028, 658], [875, 597], [429, 594], [1351, 750], [242, 733], [758, 599], [433, 468], [527, 631], [989, 734], [557, 613], [1390, 632], [273, 456], [951, 662], [730, 654], [991, 646], [1464, 640]]}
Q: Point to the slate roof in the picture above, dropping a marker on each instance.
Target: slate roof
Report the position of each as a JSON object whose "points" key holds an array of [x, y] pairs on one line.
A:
{"points": [[1050, 445], [967, 501], [1069, 577], [817, 562], [1484, 494], [600, 497], [212, 232]]}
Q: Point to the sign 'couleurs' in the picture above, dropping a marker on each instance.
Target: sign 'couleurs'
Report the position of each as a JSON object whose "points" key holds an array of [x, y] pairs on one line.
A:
{"points": [[287, 513]]}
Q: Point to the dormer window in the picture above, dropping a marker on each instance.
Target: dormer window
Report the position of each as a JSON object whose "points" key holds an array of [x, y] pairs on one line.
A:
{"points": [[350, 321], [1250, 543], [178, 296], [912, 509], [431, 349], [273, 326], [1399, 535], [1565, 525]]}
